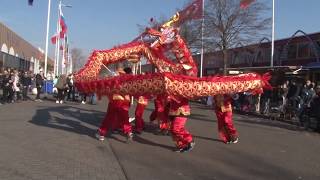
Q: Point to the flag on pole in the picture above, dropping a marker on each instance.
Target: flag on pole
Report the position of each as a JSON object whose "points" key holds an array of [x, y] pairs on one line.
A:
{"points": [[193, 11], [54, 38], [63, 25], [244, 4], [30, 2]]}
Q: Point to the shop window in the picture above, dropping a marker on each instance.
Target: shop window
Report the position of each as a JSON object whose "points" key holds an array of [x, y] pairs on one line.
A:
{"points": [[313, 50], [1, 59], [292, 51], [303, 50], [236, 58], [318, 46], [267, 55], [259, 57]]}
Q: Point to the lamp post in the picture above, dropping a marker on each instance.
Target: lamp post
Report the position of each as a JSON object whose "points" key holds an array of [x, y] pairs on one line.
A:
{"points": [[273, 34], [47, 39], [202, 46], [201, 62]]}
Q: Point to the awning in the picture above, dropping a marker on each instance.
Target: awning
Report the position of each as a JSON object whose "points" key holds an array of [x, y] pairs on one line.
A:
{"points": [[313, 65], [266, 68]]}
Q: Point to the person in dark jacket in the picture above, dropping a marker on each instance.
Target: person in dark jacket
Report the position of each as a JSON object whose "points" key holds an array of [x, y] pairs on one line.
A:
{"points": [[39, 84], [315, 103], [71, 92], [25, 83], [7, 87], [1, 85]]}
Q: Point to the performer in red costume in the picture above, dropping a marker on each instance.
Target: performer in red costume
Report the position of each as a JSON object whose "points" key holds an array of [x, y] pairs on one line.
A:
{"points": [[139, 122], [179, 107], [160, 113], [223, 109], [179, 110], [118, 114]]}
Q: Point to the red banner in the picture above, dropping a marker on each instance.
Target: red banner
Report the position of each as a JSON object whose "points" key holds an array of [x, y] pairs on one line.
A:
{"points": [[193, 11], [245, 3], [54, 39], [63, 26]]}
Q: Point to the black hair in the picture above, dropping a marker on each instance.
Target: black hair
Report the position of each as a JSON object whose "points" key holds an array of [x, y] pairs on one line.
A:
{"points": [[127, 70]]}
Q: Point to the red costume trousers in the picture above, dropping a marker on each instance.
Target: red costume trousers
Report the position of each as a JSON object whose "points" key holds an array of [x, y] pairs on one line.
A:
{"points": [[161, 113], [179, 134], [117, 116], [139, 124], [226, 129], [108, 121]]}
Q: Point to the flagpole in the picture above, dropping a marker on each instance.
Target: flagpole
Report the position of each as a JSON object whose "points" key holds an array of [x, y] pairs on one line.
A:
{"points": [[55, 60], [56, 52], [67, 57], [58, 42], [71, 63], [47, 39], [273, 34], [63, 59], [202, 48]]}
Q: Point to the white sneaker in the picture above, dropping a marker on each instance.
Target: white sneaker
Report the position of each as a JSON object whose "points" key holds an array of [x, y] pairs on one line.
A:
{"points": [[235, 141], [100, 138], [61, 102], [57, 102], [129, 137], [82, 102], [131, 119]]}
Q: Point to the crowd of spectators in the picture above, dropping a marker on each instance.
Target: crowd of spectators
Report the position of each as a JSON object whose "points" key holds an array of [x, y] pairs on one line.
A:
{"points": [[288, 100], [16, 86]]}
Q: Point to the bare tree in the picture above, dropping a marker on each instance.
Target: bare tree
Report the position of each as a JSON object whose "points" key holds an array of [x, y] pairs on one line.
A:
{"points": [[226, 25], [78, 59], [191, 33]]}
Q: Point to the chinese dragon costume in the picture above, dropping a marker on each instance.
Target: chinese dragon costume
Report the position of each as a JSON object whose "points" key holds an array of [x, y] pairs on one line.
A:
{"points": [[176, 78]]}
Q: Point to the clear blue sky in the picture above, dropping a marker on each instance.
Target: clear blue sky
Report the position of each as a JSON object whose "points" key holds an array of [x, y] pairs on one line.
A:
{"points": [[101, 24]]}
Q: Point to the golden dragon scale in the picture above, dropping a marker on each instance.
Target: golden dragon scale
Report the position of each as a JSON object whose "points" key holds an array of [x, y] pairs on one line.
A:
{"points": [[169, 84]]}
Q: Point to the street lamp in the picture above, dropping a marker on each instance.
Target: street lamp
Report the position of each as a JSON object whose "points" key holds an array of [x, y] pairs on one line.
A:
{"points": [[201, 61], [47, 39], [273, 35]]}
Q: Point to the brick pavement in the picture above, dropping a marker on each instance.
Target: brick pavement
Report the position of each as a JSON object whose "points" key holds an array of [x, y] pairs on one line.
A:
{"points": [[52, 141]]}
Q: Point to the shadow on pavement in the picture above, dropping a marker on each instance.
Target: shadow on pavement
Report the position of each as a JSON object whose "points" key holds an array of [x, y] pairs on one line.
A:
{"points": [[200, 117], [68, 118], [141, 140], [269, 123], [117, 139], [207, 138]]}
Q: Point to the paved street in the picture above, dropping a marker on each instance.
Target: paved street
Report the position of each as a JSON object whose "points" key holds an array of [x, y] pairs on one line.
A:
{"points": [[52, 141]]}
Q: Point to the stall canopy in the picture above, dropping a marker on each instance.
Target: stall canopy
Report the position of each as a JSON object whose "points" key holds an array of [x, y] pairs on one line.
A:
{"points": [[313, 65]]}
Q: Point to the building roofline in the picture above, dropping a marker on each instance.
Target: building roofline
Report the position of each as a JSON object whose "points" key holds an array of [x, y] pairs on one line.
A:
{"points": [[254, 44], [16, 34]]}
